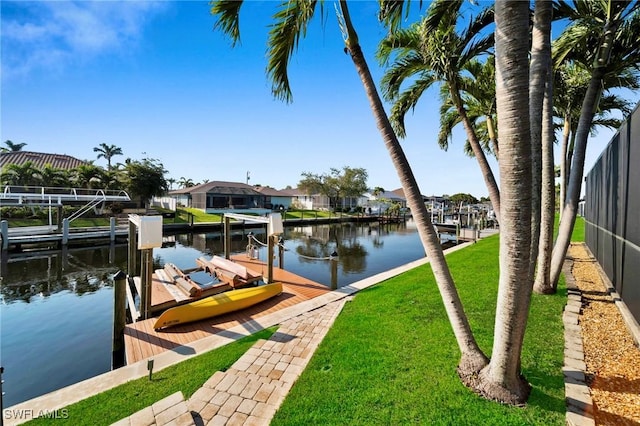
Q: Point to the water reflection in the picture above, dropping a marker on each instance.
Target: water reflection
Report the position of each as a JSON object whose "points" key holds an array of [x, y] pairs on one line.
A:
{"points": [[58, 305], [29, 276]]}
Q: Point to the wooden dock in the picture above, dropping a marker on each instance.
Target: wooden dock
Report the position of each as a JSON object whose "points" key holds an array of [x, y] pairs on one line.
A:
{"points": [[142, 341]]}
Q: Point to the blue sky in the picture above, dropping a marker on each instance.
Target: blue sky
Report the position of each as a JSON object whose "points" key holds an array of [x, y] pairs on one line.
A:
{"points": [[154, 79]]}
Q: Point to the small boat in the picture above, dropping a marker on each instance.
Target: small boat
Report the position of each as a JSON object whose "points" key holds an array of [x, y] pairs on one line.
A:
{"points": [[218, 304]]}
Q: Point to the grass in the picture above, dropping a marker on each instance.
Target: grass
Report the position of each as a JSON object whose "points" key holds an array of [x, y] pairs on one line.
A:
{"points": [[390, 357], [200, 216], [187, 376]]}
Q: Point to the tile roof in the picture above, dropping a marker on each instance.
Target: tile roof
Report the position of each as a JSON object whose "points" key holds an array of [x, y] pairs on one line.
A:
{"points": [[218, 187], [40, 159]]}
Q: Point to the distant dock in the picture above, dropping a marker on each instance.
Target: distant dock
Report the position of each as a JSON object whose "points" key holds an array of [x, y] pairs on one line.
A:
{"points": [[19, 238]]}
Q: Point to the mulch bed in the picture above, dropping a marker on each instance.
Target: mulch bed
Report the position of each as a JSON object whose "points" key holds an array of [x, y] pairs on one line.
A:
{"points": [[612, 359]]}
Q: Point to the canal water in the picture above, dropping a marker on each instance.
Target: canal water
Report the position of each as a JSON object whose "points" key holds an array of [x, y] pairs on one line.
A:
{"points": [[56, 308]]}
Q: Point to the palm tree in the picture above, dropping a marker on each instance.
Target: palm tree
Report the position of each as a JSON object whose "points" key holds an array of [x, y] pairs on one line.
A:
{"points": [[603, 38], [502, 377], [539, 76], [107, 152], [291, 22], [53, 177], [12, 147], [572, 80], [478, 92], [88, 176], [433, 51], [171, 182], [377, 191], [185, 182], [20, 174]]}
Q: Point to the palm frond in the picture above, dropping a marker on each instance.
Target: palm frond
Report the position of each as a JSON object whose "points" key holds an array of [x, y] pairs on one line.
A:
{"points": [[442, 13], [403, 69], [408, 100], [398, 43], [227, 13], [449, 119], [479, 23], [393, 12], [291, 22]]}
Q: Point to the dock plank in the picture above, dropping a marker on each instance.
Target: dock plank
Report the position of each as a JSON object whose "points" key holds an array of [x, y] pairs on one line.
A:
{"points": [[143, 341]]}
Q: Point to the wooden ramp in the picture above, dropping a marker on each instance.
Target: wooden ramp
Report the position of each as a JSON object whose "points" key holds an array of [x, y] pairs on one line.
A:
{"points": [[142, 341]]}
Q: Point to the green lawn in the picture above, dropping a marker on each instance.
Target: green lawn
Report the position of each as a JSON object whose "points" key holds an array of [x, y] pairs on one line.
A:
{"points": [[187, 376], [390, 358]]}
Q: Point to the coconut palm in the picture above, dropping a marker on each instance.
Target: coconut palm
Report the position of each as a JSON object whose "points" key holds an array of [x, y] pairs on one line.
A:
{"points": [[604, 38], [433, 51], [107, 152], [291, 22], [12, 147]]}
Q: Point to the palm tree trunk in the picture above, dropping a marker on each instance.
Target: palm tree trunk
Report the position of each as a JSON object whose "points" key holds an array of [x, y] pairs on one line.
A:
{"points": [[501, 379], [542, 282], [568, 217], [485, 168], [589, 107], [563, 161], [538, 76], [472, 360], [492, 136]]}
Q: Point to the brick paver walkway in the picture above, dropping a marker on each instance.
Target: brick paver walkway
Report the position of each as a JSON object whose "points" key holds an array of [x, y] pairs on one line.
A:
{"points": [[251, 391]]}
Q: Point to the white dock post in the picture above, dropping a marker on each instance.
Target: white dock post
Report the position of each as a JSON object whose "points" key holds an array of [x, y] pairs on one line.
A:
{"points": [[4, 230]]}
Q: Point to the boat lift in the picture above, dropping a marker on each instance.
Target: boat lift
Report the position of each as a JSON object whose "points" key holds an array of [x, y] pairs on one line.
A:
{"points": [[145, 234], [274, 229]]}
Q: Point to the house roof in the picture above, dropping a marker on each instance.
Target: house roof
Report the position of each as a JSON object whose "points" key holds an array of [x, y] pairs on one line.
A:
{"points": [[291, 192], [218, 187], [400, 192], [40, 159], [271, 192]]}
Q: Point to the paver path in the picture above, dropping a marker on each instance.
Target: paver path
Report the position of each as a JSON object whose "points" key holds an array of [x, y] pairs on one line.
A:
{"points": [[251, 391]]}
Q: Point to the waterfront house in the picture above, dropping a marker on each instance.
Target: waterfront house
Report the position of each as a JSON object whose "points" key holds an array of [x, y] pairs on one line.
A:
{"points": [[40, 159], [379, 203], [276, 199], [220, 196]]}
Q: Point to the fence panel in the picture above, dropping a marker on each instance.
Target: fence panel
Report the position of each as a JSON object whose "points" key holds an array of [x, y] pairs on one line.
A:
{"points": [[612, 211]]}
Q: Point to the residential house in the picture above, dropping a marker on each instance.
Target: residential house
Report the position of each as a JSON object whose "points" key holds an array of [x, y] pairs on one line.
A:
{"points": [[275, 199], [40, 159], [379, 203], [219, 196]]}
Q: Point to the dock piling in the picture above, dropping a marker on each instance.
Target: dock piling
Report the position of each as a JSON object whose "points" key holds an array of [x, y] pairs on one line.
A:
{"points": [[112, 229], [119, 317], [4, 230], [65, 231]]}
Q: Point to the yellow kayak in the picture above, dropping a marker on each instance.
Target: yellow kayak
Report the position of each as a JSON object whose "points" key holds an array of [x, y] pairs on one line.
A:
{"points": [[218, 304]]}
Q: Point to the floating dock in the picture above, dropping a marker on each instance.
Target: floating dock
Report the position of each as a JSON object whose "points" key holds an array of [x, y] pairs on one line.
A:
{"points": [[142, 341]]}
